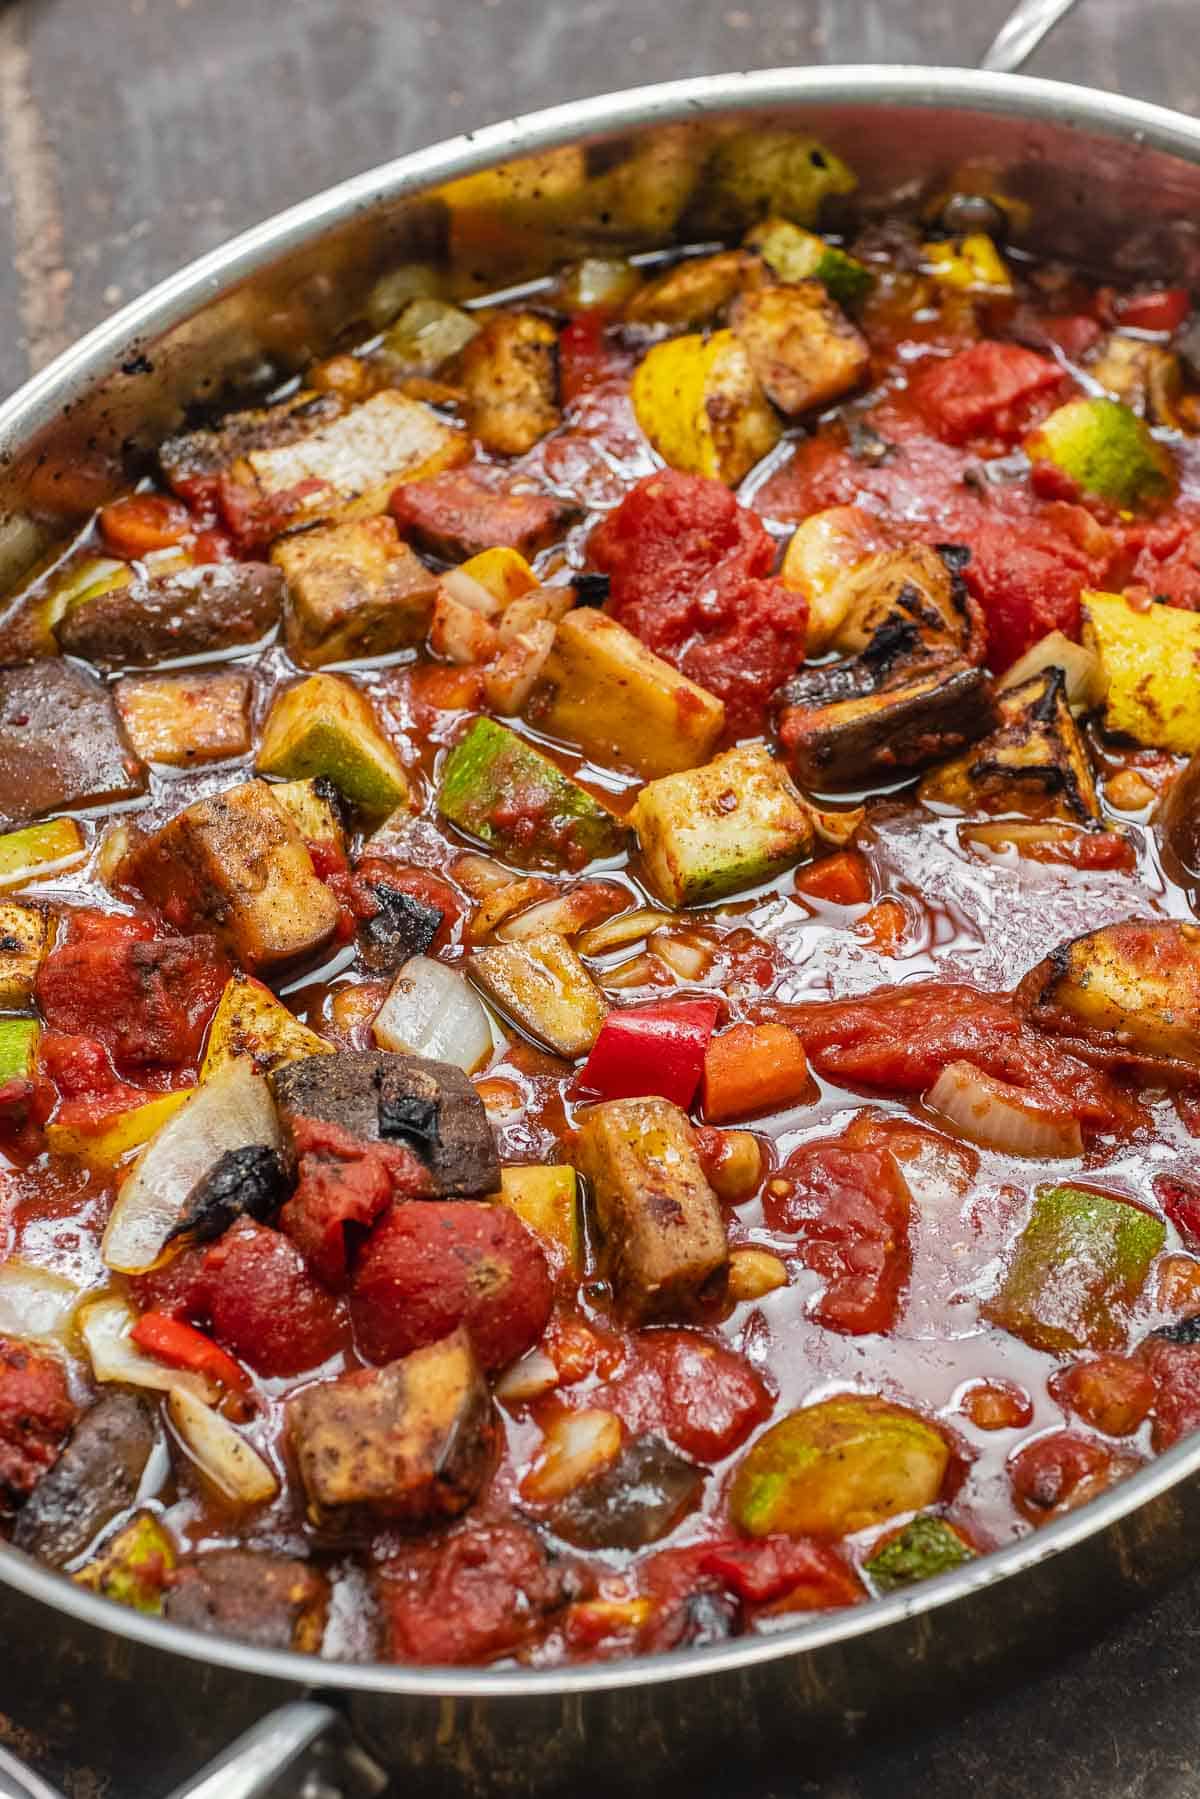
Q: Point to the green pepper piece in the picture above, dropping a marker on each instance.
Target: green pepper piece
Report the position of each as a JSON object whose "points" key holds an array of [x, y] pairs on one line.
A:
{"points": [[1079, 1264], [926, 1547], [499, 788], [133, 1567], [18, 1048]]}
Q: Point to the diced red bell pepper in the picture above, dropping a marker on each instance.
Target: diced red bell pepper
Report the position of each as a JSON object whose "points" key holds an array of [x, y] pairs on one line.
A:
{"points": [[1156, 309], [179, 1345], [653, 1049]]}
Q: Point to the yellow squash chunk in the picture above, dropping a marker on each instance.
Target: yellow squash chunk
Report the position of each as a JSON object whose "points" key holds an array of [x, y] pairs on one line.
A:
{"points": [[604, 690], [694, 291], [115, 1137], [182, 720], [237, 863], [710, 831], [325, 726], [361, 455], [972, 264], [313, 807], [1150, 664], [701, 405], [504, 572], [801, 346], [547, 1200], [353, 590], [40, 850], [545, 989], [25, 934], [251, 1024]]}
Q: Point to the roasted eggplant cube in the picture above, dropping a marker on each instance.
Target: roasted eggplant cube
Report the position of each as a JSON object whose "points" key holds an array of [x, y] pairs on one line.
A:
{"points": [[356, 460], [802, 347], [510, 378], [272, 1601], [1077, 1270], [694, 291], [1128, 994], [466, 512], [1035, 763], [97, 1476], [413, 1442], [326, 727], [251, 1024], [1106, 450], [402, 927], [604, 690], [916, 595], [543, 986], [1150, 664], [712, 830], [198, 612], [379, 1097], [61, 743], [664, 1237], [639, 1499], [25, 935], [502, 790], [183, 720], [354, 590], [212, 451], [703, 408], [848, 742], [237, 865]]}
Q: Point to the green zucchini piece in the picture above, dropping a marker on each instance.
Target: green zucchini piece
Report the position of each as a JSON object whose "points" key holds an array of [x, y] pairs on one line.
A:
{"points": [[798, 255], [926, 1547], [18, 1048], [325, 726], [502, 790], [1107, 450]]}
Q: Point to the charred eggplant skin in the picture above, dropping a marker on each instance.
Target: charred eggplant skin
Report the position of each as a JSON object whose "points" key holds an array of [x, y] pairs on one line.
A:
{"points": [[888, 733]]}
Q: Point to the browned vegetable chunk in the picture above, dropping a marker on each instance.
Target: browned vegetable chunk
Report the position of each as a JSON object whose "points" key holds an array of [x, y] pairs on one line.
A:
{"points": [[509, 377], [694, 291], [61, 743], [639, 1499], [915, 601], [237, 865], [463, 512], [1035, 763], [845, 741], [186, 719], [413, 1441], [377, 1097], [207, 452], [188, 614], [353, 590], [802, 347], [664, 1236], [270, 1600], [96, 1476]]}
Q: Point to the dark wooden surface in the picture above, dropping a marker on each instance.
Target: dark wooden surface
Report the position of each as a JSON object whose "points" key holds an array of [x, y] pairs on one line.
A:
{"points": [[136, 133]]}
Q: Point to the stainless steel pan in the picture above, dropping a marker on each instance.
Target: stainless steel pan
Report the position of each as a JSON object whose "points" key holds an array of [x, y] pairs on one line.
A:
{"points": [[1112, 180]]}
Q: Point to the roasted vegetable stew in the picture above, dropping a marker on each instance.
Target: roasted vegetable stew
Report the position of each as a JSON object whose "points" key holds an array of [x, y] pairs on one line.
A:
{"points": [[601, 1003]]}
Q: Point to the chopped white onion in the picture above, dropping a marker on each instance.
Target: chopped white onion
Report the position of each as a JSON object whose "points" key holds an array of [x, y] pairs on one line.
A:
{"points": [[231, 1110], [504, 902], [643, 970], [999, 1116], [527, 1379], [833, 825], [1085, 680], [220, 1452], [431, 1011], [480, 875], [688, 956], [35, 1303], [627, 928], [576, 1446], [508, 683], [566, 913], [460, 633], [469, 592], [105, 1326]]}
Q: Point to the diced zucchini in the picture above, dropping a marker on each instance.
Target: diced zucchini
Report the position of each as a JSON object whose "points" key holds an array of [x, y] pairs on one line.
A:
{"points": [[502, 790], [116, 1135], [701, 405], [250, 1023], [710, 831], [237, 864], [427, 334], [604, 690], [25, 934], [1079, 1265], [1106, 450], [925, 1547], [510, 378], [314, 807], [354, 590], [664, 1243], [971, 264], [182, 720], [836, 742], [823, 552], [1130, 989], [134, 1566], [794, 254], [547, 1200], [359, 456], [325, 726], [1150, 666], [597, 281], [18, 1049], [769, 173], [542, 985], [503, 571], [802, 347], [1035, 763], [693, 292], [836, 1467]]}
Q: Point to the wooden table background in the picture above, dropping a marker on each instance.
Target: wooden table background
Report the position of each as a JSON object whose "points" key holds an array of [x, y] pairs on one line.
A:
{"points": [[135, 134]]}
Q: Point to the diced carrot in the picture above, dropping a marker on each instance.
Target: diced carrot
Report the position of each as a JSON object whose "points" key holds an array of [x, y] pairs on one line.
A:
{"points": [[884, 926], [754, 1068], [143, 522], [844, 879]]}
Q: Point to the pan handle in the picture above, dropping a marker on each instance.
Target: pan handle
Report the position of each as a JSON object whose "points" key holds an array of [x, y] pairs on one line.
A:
{"points": [[1021, 33], [253, 1763]]}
